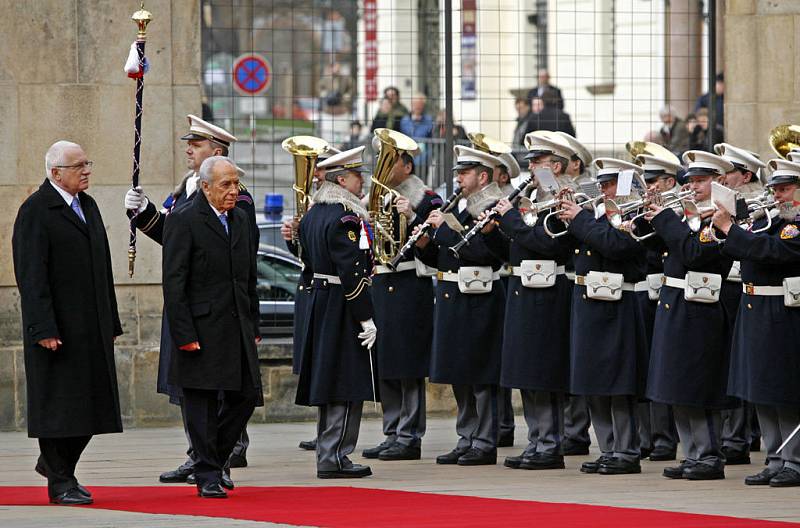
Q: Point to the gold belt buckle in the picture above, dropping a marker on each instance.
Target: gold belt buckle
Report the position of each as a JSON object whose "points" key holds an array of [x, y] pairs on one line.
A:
{"points": [[749, 289], [580, 280], [439, 275]]}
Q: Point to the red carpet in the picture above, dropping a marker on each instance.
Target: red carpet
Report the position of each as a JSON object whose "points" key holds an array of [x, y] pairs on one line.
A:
{"points": [[359, 507]]}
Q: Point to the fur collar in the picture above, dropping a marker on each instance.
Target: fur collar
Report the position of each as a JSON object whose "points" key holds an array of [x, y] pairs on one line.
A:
{"points": [[482, 200], [412, 188], [332, 193], [181, 187]]}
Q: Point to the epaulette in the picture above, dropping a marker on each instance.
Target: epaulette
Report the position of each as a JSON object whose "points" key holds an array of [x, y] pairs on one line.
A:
{"points": [[245, 198], [350, 218], [242, 187]]}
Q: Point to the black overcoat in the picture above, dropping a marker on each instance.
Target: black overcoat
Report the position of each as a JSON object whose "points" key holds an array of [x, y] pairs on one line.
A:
{"points": [[536, 331], [467, 328], [403, 306], [63, 271], [765, 358], [335, 367], [151, 223], [209, 282], [302, 299], [690, 350], [608, 348]]}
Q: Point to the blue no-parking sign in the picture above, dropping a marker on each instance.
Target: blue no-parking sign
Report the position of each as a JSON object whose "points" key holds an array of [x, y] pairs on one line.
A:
{"points": [[252, 74]]}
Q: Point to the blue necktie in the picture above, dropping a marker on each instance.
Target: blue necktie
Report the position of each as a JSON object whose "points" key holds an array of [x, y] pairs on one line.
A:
{"points": [[76, 206], [224, 219]]}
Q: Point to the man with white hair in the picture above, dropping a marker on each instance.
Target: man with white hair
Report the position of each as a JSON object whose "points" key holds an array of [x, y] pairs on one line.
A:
{"points": [[674, 135], [69, 314], [209, 282]]}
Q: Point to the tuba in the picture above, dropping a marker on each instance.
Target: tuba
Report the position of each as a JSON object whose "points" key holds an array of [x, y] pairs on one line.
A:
{"points": [[486, 144], [635, 148], [304, 150], [784, 138], [388, 237]]}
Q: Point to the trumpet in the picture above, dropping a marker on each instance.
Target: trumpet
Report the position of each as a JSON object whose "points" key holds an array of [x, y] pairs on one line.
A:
{"points": [[423, 230], [480, 224], [584, 200], [531, 216], [672, 198]]}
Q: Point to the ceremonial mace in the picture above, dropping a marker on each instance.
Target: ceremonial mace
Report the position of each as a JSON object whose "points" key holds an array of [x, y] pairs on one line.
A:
{"points": [[141, 18]]}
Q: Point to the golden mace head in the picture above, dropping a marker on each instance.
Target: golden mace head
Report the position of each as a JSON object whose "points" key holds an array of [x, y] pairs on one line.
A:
{"points": [[142, 18]]}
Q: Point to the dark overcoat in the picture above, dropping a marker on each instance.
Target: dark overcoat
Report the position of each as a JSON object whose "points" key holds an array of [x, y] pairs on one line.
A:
{"points": [[335, 367], [608, 348], [765, 358], [209, 282], [151, 222], [536, 331], [63, 271], [403, 306], [302, 298], [467, 328], [691, 340]]}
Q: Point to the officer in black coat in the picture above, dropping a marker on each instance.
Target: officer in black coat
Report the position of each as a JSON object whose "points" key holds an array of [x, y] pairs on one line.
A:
{"points": [[336, 374], [203, 141], [608, 346], [209, 281], [536, 332], [69, 315], [657, 433], [403, 302], [468, 318], [691, 346], [764, 367], [737, 423]]}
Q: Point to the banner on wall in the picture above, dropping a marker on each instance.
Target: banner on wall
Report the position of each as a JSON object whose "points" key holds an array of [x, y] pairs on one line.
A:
{"points": [[371, 50], [469, 56]]}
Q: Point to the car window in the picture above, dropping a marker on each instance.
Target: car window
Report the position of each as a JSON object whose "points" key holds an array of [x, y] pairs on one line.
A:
{"points": [[270, 235], [277, 279]]}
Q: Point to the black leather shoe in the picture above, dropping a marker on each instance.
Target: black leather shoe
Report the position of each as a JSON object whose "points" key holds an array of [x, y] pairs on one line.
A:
{"points": [[237, 461], [373, 452], [619, 466], [703, 472], [786, 478], [177, 475], [191, 479], [734, 457], [676, 472], [226, 481], [592, 467], [644, 452], [308, 445], [513, 462], [761, 479], [40, 469], [661, 454], [451, 457], [542, 461], [71, 497], [506, 439], [570, 448], [400, 452], [212, 490], [353, 471], [755, 444], [477, 457]]}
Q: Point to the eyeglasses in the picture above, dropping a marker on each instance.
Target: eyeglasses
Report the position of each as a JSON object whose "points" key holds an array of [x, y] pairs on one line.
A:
{"points": [[83, 165]]}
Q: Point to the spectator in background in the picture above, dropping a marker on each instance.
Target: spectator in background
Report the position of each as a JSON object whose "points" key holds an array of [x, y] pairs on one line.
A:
{"points": [[673, 132], [702, 101], [419, 126], [355, 139], [398, 110], [545, 86], [551, 117], [525, 122], [381, 119], [439, 130], [699, 137]]}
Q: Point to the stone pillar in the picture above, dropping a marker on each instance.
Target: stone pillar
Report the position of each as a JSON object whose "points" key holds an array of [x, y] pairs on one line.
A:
{"points": [[684, 48]]}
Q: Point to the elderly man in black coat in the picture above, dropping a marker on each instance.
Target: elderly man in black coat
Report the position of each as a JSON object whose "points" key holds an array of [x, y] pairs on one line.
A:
{"points": [[69, 316], [209, 274]]}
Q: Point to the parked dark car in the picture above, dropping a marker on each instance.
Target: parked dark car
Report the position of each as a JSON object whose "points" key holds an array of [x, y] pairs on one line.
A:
{"points": [[278, 272]]}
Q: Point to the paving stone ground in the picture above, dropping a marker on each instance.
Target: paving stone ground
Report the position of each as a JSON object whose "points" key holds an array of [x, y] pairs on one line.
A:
{"points": [[136, 457]]}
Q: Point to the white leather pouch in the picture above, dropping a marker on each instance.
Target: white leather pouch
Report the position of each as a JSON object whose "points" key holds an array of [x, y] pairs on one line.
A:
{"points": [[735, 274], [475, 279], [654, 285], [538, 273], [791, 292], [604, 286], [423, 270], [702, 287]]}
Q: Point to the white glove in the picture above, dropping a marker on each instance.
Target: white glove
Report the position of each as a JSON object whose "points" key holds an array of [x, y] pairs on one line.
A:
{"points": [[135, 200], [369, 335]]}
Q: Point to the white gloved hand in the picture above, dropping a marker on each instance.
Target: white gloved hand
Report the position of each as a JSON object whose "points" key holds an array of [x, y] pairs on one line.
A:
{"points": [[369, 335], [135, 200]]}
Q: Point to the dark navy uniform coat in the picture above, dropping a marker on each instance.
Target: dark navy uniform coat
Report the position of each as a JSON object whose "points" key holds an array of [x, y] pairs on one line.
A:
{"points": [[691, 340], [765, 360], [403, 306], [335, 367], [467, 328], [536, 332], [301, 302], [608, 344]]}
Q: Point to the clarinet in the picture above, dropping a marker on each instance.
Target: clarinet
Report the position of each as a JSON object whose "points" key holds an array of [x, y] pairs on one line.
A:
{"points": [[423, 230], [480, 224]]}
